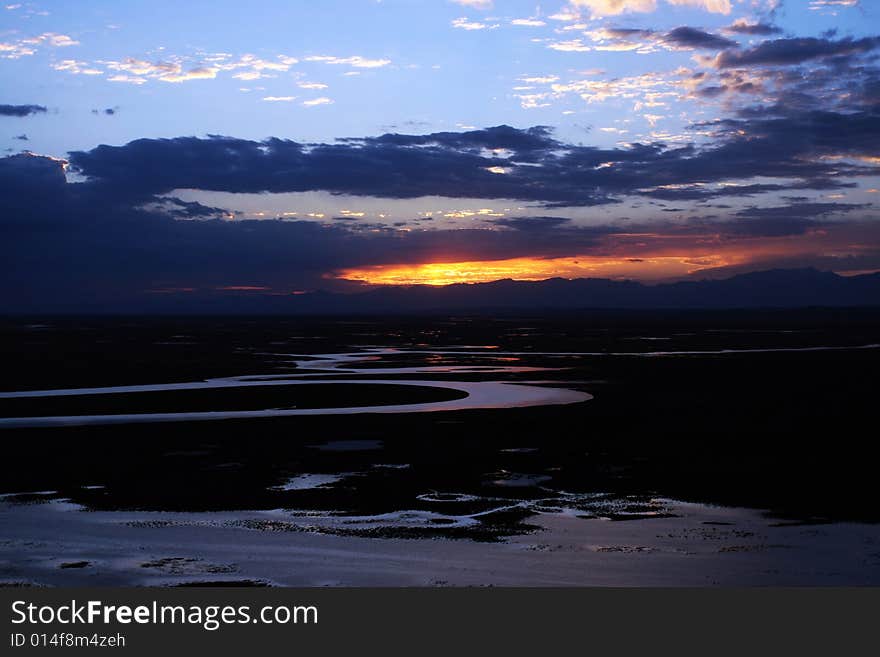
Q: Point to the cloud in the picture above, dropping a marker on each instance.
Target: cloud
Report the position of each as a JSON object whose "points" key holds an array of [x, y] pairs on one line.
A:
{"points": [[76, 67], [52, 39], [792, 219], [200, 73], [539, 79], [800, 150], [787, 52], [120, 219], [743, 26], [138, 71], [644, 41], [128, 79], [179, 69], [469, 25], [690, 37], [476, 4], [600, 8], [356, 61], [800, 210], [534, 224], [28, 46], [615, 7], [528, 22], [572, 45], [323, 100], [713, 6], [279, 99], [21, 110], [817, 5], [14, 50]]}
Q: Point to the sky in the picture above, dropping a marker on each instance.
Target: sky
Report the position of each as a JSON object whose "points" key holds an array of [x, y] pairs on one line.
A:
{"points": [[158, 148]]}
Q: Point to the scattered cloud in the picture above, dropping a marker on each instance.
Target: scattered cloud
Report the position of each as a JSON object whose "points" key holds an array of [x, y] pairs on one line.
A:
{"points": [[29, 45]]}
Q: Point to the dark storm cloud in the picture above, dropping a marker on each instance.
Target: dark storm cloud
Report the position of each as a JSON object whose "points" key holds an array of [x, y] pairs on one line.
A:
{"points": [[114, 233], [393, 166], [757, 29], [21, 137], [537, 139], [784, 52], [109, 111], [796, 218], [534, 166], [812, 133], [31, 174], [533, 223], [800, 210], [21, 110], [686, 38], [699, 193], [178, 208], [711, 91], [691, 37], [53, 227]]}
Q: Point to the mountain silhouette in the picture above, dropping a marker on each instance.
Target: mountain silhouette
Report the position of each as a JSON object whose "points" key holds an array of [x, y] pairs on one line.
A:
{"points": [[777, 288]]}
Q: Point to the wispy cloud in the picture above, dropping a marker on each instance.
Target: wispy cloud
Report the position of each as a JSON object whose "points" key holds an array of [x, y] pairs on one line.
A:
{"points": [[356, 61], [323, 100], [528, 22], [819, 5], [476, 4], [469, 25], [53, 39]]}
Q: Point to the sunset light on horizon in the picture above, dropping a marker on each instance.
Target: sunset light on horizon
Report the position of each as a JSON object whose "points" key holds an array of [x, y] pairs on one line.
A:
{"points": [[450, 141]]}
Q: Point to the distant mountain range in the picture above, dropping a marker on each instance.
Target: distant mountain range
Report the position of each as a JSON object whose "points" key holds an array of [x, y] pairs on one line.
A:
{"points": [[778, 288]]}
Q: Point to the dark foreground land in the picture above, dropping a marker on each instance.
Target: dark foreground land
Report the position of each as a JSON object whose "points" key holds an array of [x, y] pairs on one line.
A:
{"points": [[774, 411]]}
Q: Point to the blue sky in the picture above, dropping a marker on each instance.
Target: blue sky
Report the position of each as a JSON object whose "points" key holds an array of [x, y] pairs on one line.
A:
{"points": [[420, 73], [686, 78]]}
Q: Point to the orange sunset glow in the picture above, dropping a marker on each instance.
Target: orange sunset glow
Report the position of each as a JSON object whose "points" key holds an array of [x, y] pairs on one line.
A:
{"points": [[536, 269]]}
